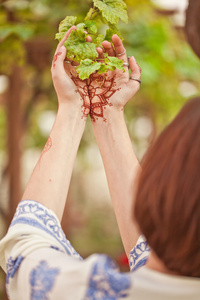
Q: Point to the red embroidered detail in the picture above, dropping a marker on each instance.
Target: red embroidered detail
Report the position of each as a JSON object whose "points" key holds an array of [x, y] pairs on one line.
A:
{"points": [[55, 58], [82, 89], [101, 88]]}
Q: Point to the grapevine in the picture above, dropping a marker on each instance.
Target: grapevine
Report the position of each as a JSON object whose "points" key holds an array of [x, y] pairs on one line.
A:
{"points": [[106, 12]]}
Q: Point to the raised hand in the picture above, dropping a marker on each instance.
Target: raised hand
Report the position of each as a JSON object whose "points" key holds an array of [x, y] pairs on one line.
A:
{"points": [[49, 183], [113, 88], [99, 92], [69, 89]]}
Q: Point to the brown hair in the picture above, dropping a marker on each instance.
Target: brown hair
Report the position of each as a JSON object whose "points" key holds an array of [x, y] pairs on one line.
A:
{"points": [[167, 207]]}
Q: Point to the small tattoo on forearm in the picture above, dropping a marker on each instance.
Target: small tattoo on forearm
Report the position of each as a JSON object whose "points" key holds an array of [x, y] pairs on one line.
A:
{"points": [[47, 146]]}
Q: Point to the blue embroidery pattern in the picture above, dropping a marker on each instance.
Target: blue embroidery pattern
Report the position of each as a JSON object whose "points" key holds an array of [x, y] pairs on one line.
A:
{"points": [[56, 248], [139, 255], [35, 214], [106, 283], [12, 266], [42, 279]]}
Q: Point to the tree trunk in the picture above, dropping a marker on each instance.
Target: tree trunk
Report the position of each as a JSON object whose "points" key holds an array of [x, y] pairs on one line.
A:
{"points": [[14, 139], [14, 122]]}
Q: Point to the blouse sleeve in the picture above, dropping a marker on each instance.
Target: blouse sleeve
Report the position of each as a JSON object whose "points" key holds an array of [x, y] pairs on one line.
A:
{"points": [[42, 264], [139, 254]]}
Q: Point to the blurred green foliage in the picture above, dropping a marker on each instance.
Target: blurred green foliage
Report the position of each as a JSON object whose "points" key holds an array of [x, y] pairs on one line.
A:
{"points": [[165, 59]]}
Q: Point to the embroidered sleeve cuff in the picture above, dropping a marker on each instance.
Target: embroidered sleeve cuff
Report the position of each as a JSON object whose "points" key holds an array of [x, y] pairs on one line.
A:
{"points": [[139, 255], [34, 226]]}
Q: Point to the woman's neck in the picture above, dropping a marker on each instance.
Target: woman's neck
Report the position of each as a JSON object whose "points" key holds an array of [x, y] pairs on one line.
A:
{"points": [[156, 264]]}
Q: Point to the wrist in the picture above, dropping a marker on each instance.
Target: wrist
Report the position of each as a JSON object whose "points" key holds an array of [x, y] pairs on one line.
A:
{"points": [[70, 120], [111, 115], [72, 111]]}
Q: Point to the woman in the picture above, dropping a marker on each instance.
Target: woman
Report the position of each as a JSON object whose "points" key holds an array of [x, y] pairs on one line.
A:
{"points": [[40, 262]]}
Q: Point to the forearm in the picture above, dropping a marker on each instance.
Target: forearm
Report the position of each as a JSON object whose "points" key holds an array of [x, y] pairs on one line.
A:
{"points": [[122, 167], [50, 180]]}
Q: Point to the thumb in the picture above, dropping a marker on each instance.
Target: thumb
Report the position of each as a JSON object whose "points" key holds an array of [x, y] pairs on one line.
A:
{"points": [[58, 59]]}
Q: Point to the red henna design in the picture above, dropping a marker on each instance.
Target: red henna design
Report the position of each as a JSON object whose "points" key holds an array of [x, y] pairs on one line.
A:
{"points": [[83, 92], [101, 88], [55, 58], [95, 93]]}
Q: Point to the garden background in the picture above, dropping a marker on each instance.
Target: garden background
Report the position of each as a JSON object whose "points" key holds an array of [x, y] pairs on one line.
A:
{"points": [[155, 35]]}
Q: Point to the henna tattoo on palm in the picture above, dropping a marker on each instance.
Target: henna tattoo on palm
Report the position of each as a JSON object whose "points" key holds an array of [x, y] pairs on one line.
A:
{"points": [[95, 93], [100, 89], [82, 89]]}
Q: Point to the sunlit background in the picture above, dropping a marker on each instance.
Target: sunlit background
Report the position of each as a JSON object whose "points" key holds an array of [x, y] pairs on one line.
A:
{"points": [[28, 104]]}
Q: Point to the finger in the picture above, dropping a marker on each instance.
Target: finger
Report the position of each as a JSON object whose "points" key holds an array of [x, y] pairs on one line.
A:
{"points": [[135, 73], [108, 48], [88, 39], [65, 38], [119, 48], [100, 52], [135, 68]]}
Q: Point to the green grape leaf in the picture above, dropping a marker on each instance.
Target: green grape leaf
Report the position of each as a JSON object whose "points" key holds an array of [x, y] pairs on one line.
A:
{"points": [[80, 26], [109, 34], [64, 26], [103, 69], [92, 13], [98, 40], [59, 36], [115, 63], [86, 68], [91, 26], [112, 30], [77, 47], [112, 10], [68, 22]]}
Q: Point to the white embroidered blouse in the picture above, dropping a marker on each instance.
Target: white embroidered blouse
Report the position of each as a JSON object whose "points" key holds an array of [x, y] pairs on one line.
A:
{"points": [[41, 264]]}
